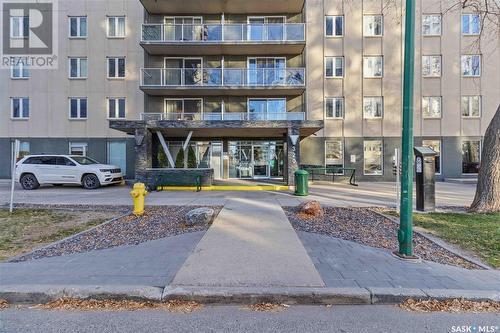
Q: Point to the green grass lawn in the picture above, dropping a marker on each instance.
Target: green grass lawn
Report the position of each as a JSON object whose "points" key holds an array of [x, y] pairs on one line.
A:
{"points": [[26, 229], [478, 233]]}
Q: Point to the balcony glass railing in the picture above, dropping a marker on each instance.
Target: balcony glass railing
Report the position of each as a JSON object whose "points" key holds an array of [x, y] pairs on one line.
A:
{"points": [[224, 116], [218, 77], [213, 33]]}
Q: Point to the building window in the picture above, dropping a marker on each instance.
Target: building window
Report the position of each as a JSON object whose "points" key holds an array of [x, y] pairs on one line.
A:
{"points": [[116, 108], [24, 149], [471, 156], [19, 70], [373, 107], [373, 66], [19, 26], [78, 148], [471, 24], [334, 26], [471, 65], [436, 146], [372, 158], [116, 67], [431, 107], [20, 107], [78, 108], [116, 26], [471, 106], [373, 25], [334, 67], [77, 68], [431, 25], [334, 108], [78, 26], [334, 156], [431, 66]]}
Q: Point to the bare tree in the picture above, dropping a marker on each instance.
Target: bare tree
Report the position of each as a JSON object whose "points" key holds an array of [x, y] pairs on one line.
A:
{"points": [[487, 197]]}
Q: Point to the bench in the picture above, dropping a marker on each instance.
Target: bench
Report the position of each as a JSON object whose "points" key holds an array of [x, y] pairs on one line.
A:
{"points": [[158, 178], [336, 171]]}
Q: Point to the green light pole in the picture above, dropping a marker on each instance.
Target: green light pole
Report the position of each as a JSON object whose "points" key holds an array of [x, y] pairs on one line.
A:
{"points": [[405, 233]]}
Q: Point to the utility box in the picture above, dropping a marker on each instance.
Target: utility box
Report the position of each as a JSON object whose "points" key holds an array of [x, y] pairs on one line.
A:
{"points": [[425, 175]]}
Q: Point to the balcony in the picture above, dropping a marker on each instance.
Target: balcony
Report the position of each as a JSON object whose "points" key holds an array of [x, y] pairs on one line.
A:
{"points": [[223, 6], [223, 116], [230, 39], [227, 81]]}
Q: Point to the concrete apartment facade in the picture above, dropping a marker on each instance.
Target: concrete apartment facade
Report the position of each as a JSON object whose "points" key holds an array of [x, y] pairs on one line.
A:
{"points": [[258, 89]]}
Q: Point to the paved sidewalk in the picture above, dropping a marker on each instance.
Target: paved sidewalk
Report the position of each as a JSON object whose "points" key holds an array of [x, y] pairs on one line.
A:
{"points": [[153, 263], [343, 263], [251, 243]]}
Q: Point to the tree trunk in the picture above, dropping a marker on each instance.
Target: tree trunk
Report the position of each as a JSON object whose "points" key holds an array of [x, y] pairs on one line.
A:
{"points": [[487, 197]]}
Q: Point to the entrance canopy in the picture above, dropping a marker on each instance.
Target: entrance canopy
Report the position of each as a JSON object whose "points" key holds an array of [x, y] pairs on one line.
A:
{"points": [[220, 129]]}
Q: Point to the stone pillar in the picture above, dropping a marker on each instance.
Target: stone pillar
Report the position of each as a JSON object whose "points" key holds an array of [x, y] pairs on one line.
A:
{"points": [[143, 153], [292, 153]]}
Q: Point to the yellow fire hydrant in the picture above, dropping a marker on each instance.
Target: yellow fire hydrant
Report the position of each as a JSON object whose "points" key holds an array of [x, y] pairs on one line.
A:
{"points": [[138, 193]]}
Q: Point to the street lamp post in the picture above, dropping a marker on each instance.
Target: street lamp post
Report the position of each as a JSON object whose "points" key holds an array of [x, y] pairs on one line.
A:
{"points": [[405, 233]]}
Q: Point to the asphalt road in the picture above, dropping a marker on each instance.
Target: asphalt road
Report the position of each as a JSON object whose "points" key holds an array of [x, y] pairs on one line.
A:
{"points": [[233, 319]]}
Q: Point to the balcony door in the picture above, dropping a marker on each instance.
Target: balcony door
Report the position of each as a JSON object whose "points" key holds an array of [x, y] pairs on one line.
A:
{"points": [[266, 71], [266, 28], [183, 109], [183, 71], [267, 109], [183, 28]]}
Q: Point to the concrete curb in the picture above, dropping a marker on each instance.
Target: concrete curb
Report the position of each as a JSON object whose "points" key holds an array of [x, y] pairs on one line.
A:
{"points": [[289, 295], [35, 294]]}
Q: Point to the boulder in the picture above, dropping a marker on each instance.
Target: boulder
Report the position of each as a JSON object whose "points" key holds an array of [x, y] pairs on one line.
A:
{"points": [[200, 216], [311, 208]]}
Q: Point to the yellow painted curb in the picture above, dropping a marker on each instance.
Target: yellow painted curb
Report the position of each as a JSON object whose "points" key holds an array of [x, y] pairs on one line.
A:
{"points": [[226, 188]]}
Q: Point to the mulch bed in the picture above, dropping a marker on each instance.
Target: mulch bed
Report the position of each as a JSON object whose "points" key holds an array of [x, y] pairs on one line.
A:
{"points": [[157, 222], [363, 226], [69, 304], [450, 305]]}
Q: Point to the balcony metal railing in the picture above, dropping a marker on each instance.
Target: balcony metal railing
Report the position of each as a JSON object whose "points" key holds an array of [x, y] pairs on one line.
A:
{"points": [[224, 116], [215, 33], [218, 77]]}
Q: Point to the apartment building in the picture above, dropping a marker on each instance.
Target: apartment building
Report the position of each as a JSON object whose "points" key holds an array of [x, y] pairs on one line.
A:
{"points": [[67, 110], [256, 89]]}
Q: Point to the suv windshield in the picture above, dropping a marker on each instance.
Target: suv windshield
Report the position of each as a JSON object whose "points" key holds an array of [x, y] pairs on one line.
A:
{"points": [[84, 160]]}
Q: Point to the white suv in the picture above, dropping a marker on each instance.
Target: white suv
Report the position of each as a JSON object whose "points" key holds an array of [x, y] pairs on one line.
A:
{"points": [[33, 170]]}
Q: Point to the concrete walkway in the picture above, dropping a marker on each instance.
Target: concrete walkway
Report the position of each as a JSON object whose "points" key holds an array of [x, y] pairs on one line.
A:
{"points": [[251, 243]]}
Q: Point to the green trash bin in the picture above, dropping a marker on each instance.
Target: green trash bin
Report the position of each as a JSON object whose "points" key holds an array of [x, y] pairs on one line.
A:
{"points": [[301, 182]]}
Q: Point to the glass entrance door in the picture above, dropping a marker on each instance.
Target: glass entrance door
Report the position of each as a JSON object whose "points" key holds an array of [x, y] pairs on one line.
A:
{"points": [[255, 159], [245, 162], [260, 161]]}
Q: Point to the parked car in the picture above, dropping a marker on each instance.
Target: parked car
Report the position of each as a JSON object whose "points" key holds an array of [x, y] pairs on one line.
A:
{"points": [[34, 170]]}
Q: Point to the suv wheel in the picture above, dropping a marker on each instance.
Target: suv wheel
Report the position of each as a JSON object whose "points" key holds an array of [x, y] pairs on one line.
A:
{"points": [[90, 182], [29, 182]]}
